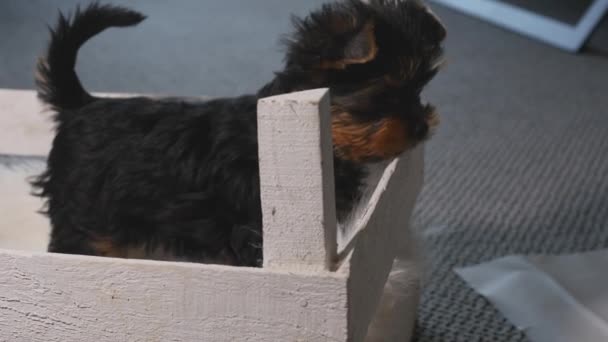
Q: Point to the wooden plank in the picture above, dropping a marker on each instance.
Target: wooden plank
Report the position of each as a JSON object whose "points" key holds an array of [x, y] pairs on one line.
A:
{"points": [[296, 180], [21, 227], [63, 298], [378, 241], [26, 129], [397, 311]]}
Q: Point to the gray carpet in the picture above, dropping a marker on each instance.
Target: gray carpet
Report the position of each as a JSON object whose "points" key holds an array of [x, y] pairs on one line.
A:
{"points": [[519, 165]]}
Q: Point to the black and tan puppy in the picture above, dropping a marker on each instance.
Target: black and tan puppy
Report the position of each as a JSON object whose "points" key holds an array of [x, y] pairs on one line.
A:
{"points": [[176, 179]]}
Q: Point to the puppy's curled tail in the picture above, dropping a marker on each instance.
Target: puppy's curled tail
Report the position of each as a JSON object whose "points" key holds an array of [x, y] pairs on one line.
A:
{"points": [[56, 80]]}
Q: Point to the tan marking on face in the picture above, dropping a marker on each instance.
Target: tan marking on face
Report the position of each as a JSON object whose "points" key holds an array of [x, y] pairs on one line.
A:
{"points": [[383, 139]]}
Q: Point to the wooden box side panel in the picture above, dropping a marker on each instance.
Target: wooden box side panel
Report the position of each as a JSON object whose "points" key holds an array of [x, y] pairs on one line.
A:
{"points": [[378, 243], [26, 129], [63, 298], [297, 180], [21, 226], [46, 297]]}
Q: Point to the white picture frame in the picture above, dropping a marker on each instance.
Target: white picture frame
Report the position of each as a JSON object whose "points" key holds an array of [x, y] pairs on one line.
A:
{"points": [[551, 31]]}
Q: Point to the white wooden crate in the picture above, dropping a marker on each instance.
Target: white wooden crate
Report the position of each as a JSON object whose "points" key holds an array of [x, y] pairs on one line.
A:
{"points": [[310, 289]]}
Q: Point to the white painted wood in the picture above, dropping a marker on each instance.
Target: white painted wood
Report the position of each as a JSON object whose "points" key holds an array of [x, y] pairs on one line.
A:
{"points": [[26, 130], [397, 311], [21, 227], [296, 180], [62, 298], [382, 231]]}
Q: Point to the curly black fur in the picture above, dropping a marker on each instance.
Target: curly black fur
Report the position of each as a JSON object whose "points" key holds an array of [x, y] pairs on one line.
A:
{"points": [[179, 179]]}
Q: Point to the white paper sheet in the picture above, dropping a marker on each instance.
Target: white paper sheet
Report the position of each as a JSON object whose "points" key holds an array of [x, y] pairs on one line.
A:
{"points": [[551, 298]]}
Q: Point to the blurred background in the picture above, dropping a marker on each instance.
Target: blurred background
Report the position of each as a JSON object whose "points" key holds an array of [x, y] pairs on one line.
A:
{"points": [[519, 165]]}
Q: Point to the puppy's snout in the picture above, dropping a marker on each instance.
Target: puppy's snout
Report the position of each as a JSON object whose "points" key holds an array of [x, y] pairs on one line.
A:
{"points": [[433, 25], [441, 31], [420, 130]]}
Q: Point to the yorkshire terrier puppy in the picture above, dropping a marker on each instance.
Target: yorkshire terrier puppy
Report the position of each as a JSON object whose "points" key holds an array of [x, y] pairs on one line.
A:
{"points": [[179, 179]]}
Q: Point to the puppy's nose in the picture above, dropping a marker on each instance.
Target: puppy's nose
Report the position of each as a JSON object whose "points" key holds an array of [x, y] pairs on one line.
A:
{"points": [[441, 30], [420, 130]]}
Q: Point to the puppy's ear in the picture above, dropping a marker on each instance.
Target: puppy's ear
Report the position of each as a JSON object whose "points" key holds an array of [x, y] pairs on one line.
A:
{"points": [[355, 47], [338, 35]]}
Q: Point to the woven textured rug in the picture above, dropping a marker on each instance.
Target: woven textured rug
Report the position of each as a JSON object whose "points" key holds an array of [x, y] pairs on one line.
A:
{"points": [[519, 165]]}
